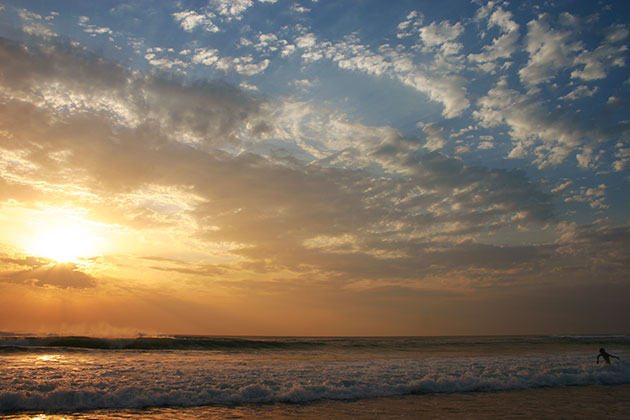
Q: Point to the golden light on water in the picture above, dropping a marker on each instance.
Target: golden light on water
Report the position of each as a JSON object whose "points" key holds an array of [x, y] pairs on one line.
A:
{"points": [[49, 358]]}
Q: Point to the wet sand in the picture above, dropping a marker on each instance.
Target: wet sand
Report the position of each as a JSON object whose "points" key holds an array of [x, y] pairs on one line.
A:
{"points": [[575, 403]]}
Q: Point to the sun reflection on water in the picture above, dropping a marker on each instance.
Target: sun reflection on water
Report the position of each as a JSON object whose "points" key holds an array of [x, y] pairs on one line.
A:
{"points": [[49, 358]]}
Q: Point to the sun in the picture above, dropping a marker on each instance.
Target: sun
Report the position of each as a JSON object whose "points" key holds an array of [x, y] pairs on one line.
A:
{"points": [[60, 234], [64, 242]]}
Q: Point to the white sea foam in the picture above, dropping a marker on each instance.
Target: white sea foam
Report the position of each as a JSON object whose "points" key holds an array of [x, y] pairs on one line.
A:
{"points": [[127, 379]]}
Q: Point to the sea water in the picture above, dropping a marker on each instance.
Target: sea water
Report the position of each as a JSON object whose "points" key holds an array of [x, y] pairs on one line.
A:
{"points": [[171, 377]]}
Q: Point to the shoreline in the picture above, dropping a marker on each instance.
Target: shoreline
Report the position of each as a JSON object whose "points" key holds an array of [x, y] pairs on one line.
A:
{"points": [[545, 403]]}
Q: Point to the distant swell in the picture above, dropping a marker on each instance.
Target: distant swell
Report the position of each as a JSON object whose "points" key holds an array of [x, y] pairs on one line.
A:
{"points": [[426, 344], [11, 344]]}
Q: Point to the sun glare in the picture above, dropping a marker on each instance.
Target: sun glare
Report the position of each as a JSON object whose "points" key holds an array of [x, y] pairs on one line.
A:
{"points": [[60, 244], [64, 242]]}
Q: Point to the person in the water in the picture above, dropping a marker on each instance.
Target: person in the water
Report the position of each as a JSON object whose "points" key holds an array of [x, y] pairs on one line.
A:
{"points": [[605, 355]]}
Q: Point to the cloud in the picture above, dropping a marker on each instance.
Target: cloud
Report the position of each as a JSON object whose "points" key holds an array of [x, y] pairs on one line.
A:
{"points": [[155, 56], [502, 47], [269, 43], [34, 24], [303, 84], [562, 187], [297, 8], [442, 35], [93, 30], [617, 33], [205, 271], [206, 56], [232, 9], [434, 137], [623, 157], [598, 62], [594, 248], [246, 86], [176, 111], [437, 82], [593, 196], [245, 65], [401, 208], [553, 50], [550, 50], [486, 143], [189, 20], [580, 92], [41, 273], [410, 26], [280, 190], [587, 159], [551, 136]]}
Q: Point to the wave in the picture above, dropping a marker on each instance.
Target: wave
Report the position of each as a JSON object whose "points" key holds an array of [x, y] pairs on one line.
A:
{"points": [[623, 337], [304, 383], [13, 343]]}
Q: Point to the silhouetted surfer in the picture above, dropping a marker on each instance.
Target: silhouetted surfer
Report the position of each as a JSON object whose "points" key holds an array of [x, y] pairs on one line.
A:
{"points": [[606, 356]]}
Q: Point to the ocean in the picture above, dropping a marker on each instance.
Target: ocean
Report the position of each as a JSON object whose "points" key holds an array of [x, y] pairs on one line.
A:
{"points": [[195, 377]]}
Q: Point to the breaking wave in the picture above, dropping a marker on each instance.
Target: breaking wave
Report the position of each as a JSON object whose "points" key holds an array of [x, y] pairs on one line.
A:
{"points": [[147, 380]]}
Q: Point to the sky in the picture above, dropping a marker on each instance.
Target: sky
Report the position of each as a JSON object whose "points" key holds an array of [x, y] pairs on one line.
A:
{"points": [[352, 167]]}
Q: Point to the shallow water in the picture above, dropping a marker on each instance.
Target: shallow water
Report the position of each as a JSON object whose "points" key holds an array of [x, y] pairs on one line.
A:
{"points": [[575, 403]]}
